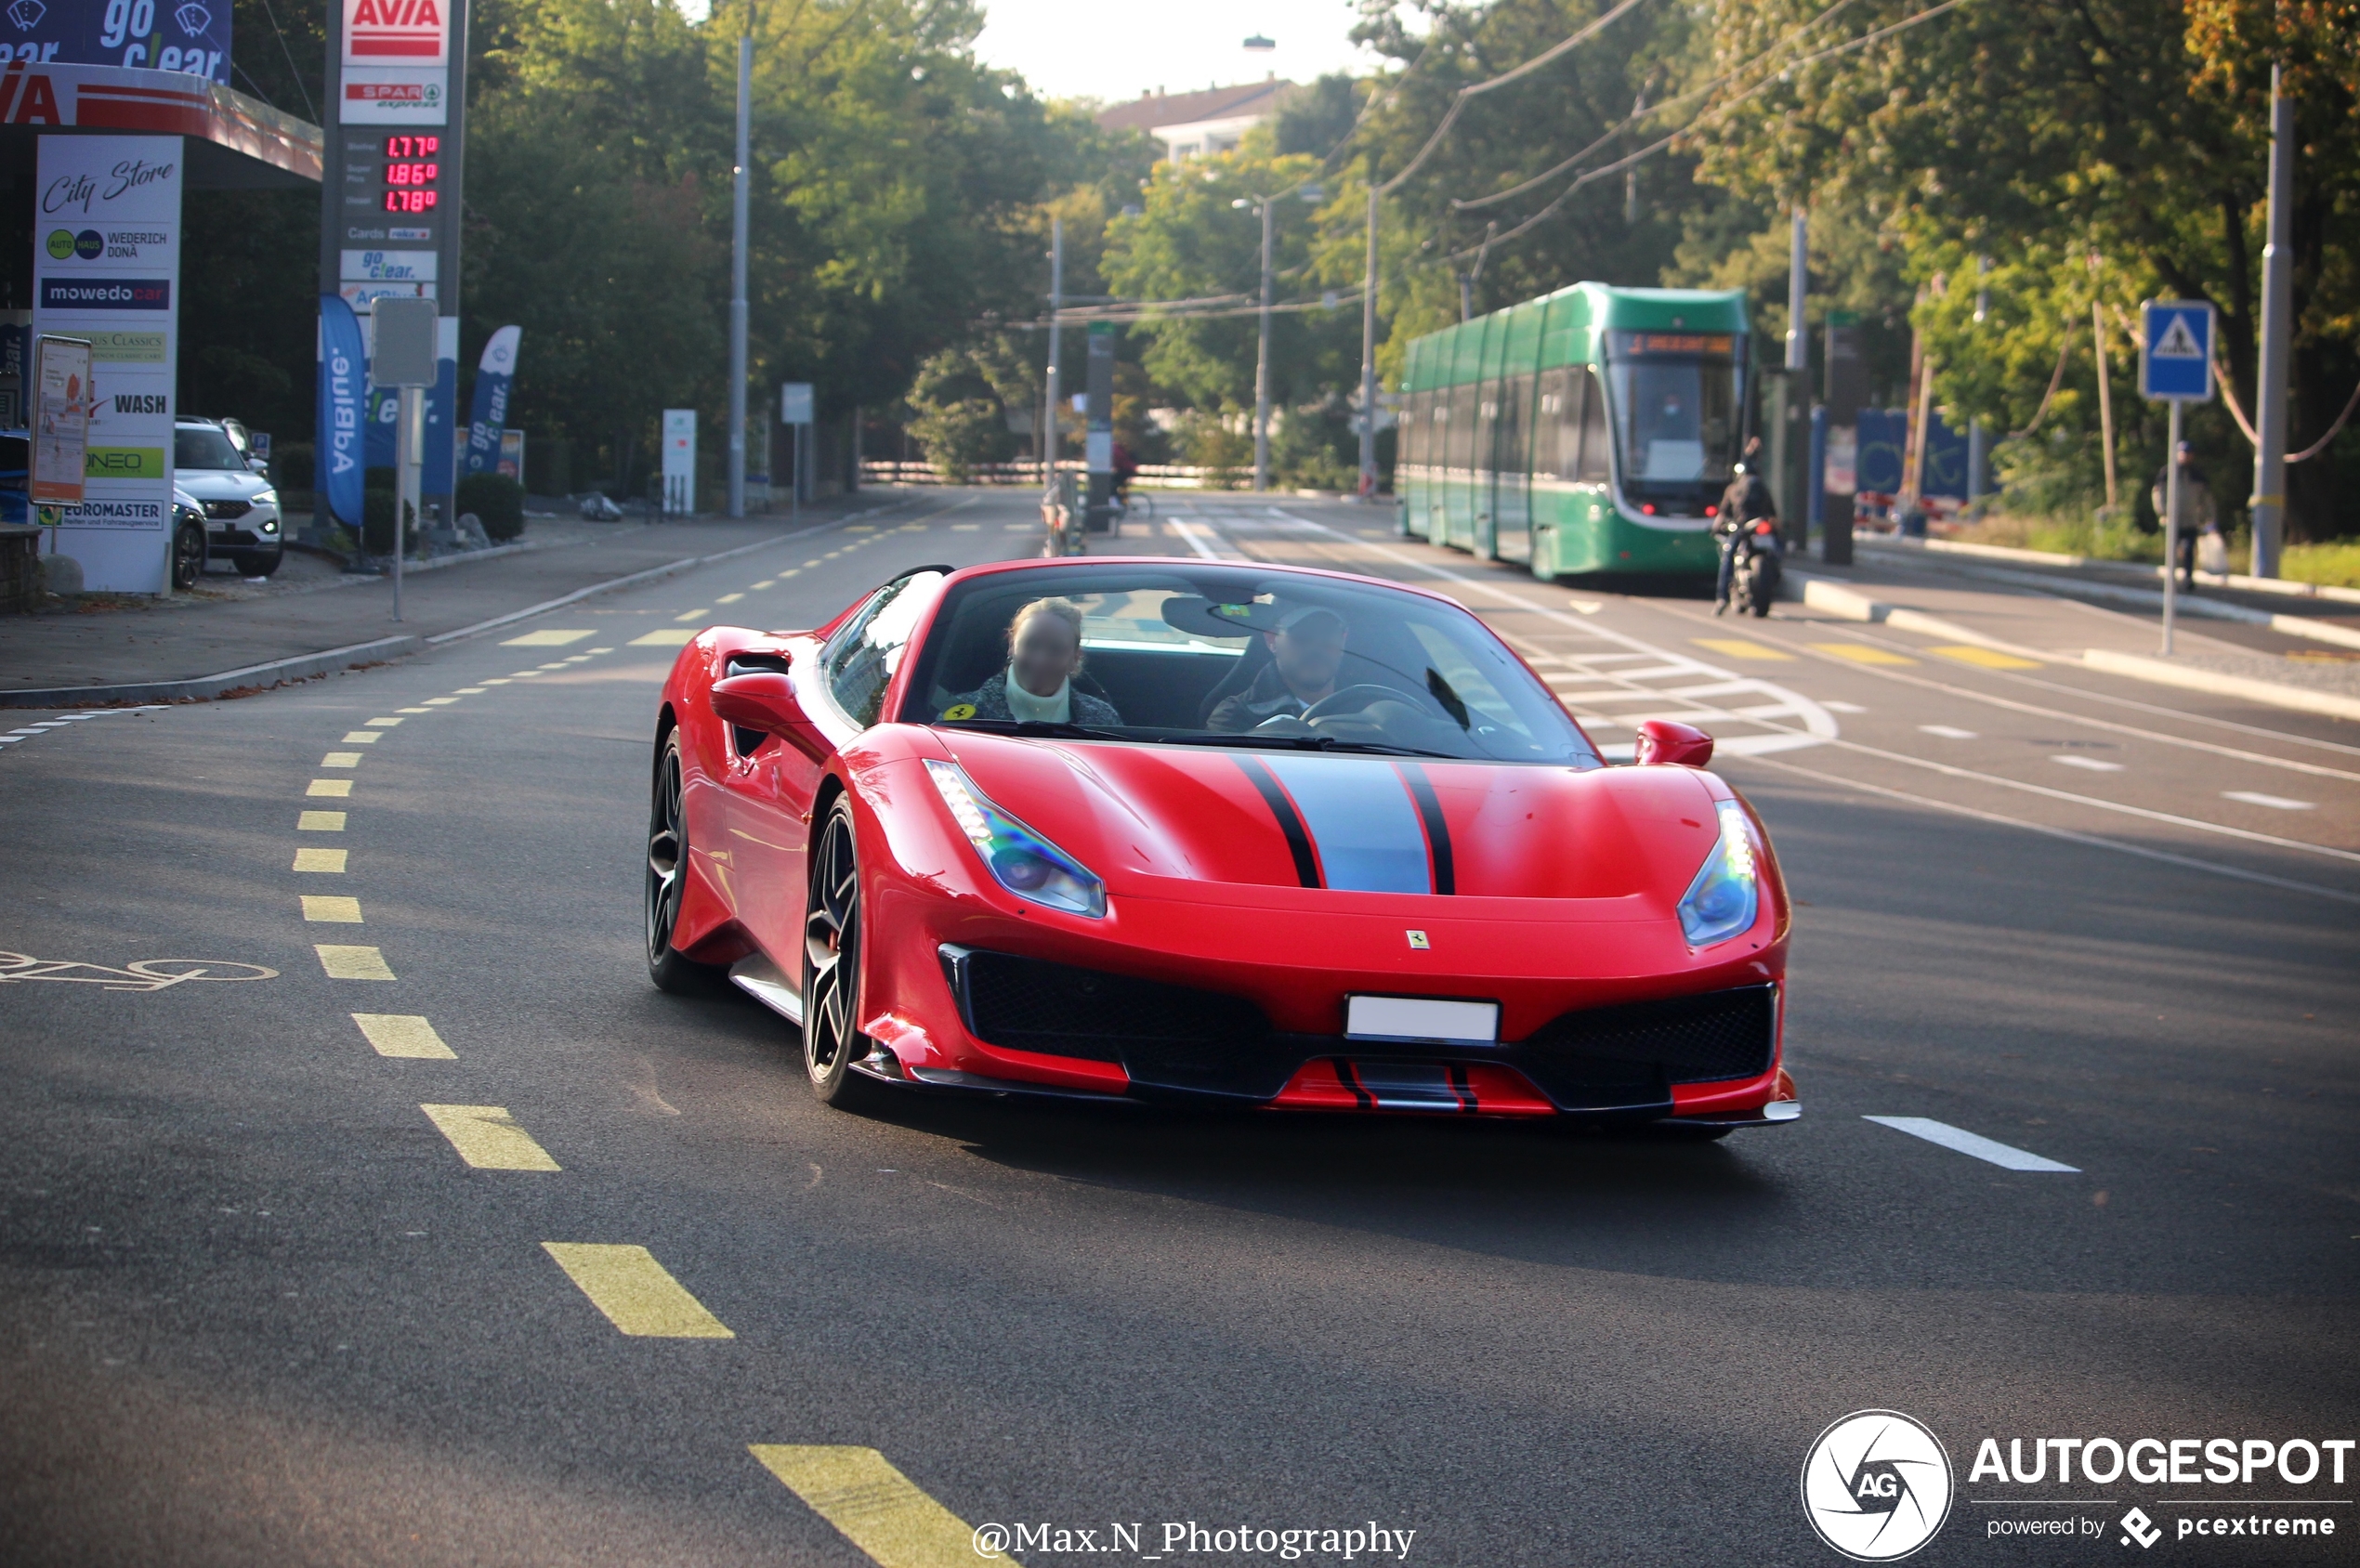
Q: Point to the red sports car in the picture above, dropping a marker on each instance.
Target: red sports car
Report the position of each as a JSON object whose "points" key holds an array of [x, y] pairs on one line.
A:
{"points": [[1209, 831]]}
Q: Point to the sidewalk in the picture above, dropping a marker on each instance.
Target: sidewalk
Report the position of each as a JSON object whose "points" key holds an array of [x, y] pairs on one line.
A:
{"points": [[135, 650], [2059, 618]]}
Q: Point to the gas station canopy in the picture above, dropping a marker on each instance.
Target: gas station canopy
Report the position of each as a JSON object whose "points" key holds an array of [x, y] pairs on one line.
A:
{"points": [[234, 142]]}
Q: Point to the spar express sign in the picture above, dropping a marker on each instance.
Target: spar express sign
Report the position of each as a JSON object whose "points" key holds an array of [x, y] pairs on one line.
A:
{"points": [[397, 62]]}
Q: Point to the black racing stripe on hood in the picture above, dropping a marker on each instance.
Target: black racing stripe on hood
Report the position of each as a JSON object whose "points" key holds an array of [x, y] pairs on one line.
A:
{"points": [[1438, 830], [1306, 866]]}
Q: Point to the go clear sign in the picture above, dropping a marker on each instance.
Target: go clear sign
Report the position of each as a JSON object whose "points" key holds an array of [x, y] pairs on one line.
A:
{"points": [[139, 34]]}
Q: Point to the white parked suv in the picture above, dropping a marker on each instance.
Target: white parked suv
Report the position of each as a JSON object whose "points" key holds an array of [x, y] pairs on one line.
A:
{"points": [[240, 506]]}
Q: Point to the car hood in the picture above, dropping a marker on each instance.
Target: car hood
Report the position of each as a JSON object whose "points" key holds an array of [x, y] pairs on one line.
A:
{"points": [[1148, 818], [219, 484]]}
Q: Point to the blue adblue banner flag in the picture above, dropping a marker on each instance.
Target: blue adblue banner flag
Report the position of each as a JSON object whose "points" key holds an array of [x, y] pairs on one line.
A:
{"points": [[343, 377], [191, 35], [495, 376]]}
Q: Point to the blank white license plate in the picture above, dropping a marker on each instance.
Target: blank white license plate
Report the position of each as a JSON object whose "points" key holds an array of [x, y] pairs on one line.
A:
{"points": [[1422, 1018]]}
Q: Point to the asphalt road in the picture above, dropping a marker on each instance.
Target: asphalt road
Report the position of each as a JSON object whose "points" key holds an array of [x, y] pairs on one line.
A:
{"points": [[257, 1306]]}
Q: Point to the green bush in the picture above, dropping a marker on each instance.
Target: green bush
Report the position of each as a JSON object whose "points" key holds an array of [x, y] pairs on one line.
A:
{"points": [[293, 466], [496, 499], [376, 519]]}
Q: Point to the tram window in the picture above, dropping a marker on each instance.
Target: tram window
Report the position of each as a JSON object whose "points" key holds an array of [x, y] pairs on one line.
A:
{"points": [[1515, 440], [1464, 401], [1593, 465], [1554, 440], [1487, 441]]}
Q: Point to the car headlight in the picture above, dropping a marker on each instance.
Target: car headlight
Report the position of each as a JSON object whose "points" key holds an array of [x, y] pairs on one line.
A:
{"points": [[1726, 895], [265, 498], [1020, 860]]}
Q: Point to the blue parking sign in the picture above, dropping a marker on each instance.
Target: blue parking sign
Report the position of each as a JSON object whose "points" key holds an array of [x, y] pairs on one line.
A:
{"points": [[2175, 350]]}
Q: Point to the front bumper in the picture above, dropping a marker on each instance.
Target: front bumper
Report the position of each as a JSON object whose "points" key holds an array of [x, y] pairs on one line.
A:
{"points": [[1025, 1025]]}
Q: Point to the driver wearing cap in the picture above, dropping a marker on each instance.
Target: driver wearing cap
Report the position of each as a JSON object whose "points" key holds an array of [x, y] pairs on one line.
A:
{"points": [[1305, 652]]}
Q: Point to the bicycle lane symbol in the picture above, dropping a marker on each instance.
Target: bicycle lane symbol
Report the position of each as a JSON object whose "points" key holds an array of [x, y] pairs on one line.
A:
{"points": [[140, 975]]}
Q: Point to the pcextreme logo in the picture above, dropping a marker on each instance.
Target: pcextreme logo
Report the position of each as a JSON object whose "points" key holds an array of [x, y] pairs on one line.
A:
{"points": [[1877, 1485]]}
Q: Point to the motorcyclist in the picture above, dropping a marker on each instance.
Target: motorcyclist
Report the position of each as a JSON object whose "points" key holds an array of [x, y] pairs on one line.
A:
{"points": [[1746, 502]]}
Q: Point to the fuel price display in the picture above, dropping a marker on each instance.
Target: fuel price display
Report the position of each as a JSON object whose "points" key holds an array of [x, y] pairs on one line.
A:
{"points": [[411, 169]]}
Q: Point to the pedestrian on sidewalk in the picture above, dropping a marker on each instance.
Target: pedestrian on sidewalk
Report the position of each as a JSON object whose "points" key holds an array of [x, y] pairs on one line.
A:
{"points": [[2198, 514]]}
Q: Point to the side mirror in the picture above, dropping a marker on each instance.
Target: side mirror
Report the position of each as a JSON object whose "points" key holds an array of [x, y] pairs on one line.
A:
{"points": [[765, 700], [1664, 743]]}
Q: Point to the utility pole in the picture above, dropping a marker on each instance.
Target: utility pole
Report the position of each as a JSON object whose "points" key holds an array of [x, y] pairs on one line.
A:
{"points": [[738, 238], [2105, 379], [1262, 365], [1368, 356], [2269, 499], [1057, 303], [1796, 382]]}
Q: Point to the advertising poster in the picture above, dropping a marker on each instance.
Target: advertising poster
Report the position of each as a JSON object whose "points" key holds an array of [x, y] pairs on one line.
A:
{"points": [[495, 373], [106, 263], [680, 460], [192, 35], [59, 453]]}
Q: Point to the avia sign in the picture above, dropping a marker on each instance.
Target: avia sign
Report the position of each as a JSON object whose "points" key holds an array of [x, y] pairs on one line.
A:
{"points": [[397, 62]]}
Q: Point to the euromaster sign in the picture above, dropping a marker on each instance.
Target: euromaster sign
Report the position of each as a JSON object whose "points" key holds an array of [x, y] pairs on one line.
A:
{"points": [[106, 257]]}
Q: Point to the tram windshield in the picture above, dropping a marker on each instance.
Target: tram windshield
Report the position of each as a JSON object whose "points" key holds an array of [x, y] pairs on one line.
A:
{"points": [[1676, 400]]}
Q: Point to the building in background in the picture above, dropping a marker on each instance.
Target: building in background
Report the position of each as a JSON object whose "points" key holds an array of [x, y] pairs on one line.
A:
{"points": [[1193, 124]]}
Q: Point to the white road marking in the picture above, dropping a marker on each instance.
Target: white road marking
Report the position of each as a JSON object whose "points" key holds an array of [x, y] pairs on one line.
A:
{"points": [[1947, 732], [2276, 802], [2090, 765], [1974, 1143], [1832, 706]]}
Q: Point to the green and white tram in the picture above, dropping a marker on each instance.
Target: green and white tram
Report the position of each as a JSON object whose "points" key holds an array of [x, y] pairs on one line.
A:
{"points": [[1591, 430]]}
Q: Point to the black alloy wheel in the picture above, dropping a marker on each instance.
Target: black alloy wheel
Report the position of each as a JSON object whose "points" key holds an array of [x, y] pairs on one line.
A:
{"points": [[832, 1036], [188, 555], [667, 869]]}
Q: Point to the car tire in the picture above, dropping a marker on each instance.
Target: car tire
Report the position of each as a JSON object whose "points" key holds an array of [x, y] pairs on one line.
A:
{"points": [[188, 556], [666, 879], [257, 564], [832, 1036]]}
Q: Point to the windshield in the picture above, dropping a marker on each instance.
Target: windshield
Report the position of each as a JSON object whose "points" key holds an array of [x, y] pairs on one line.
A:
{"points": [[200, 446], [1232, 655], [1675, 410]]}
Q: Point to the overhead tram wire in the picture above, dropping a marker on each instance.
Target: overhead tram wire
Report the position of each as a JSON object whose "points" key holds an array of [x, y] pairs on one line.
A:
{"points": [[1649, 113], [1715, 112]]}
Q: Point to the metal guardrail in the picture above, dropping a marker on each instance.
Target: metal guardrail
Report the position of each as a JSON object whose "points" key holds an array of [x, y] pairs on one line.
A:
{"points": [[1157, 476]]}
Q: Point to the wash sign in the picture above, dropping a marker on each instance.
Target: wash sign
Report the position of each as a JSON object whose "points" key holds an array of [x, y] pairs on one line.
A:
{"points": [[2175, 351]]}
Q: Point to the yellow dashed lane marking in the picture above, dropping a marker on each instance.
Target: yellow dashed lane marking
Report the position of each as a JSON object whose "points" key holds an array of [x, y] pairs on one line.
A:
{"points": [[728, 598], [1738, 647], [383, 724], [635, 1291], [403, 1033], [470, 691], [488, 1138], [320, 822], [331, 789], [1989, 658], [364, 737], [522, 675], [331, 860], [875, 1507], [668, 637], [602, 650], [497, 680], [352, 964], [551, 636], [440, 701], [1863, 653], [341, 759], [331, 910], [964, 528], [417, 710], [813, 562], [691, 615], [766, 583]]}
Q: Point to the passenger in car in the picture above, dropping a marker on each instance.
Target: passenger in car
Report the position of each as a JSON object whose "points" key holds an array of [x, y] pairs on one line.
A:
{"points": [[1044, 654], [1305, 652]]}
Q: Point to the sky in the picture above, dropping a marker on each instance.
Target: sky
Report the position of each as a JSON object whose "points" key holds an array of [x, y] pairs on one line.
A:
{"points": [[1134, 47]]}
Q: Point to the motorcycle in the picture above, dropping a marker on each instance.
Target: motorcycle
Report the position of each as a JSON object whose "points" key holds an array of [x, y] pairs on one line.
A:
{"points": [[1753, 577]]}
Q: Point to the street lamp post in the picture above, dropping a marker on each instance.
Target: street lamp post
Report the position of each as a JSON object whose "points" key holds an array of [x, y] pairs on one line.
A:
{"points": [[1368, 359], [1262, 366], [738, 225]]}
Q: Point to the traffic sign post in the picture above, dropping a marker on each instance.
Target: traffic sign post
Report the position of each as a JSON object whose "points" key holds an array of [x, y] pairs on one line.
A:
{"points": [[2175, 366], [794, 412]]}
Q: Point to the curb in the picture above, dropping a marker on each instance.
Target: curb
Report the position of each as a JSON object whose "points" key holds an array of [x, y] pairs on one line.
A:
{"points": [[1848, 604], [2163, 673], [2188, 604], [302, 667], [205, 688], [2055, 561]]}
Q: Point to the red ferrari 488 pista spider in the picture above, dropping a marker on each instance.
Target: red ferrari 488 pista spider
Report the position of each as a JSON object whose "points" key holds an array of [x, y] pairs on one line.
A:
{"points": [[1209, 831]]}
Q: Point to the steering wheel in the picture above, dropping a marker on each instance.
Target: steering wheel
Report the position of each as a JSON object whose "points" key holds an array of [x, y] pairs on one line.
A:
{"points": [[1350, 700]]}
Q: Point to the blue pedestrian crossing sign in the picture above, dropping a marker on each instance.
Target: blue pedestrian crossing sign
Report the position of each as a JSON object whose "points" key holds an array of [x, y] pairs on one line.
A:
{"points": [[2175, 350]]}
